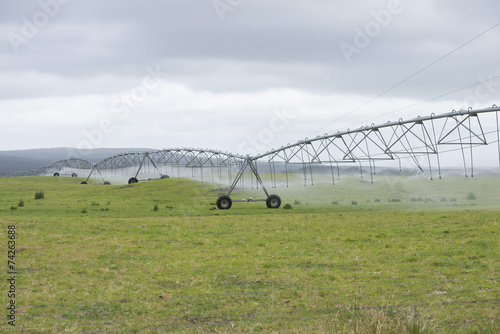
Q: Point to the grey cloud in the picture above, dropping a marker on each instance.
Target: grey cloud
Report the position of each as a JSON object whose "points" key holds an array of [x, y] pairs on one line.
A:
{"points": [[279, 41], [102, 48]]}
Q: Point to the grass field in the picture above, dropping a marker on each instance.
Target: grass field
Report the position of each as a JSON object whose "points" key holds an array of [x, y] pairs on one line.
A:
{"points": [[401, 255]]}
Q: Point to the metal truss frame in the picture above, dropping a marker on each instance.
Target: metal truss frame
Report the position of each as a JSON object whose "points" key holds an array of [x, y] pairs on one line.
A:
{"points": [[389, 141], [73, 164], [172, 157], [410, 139]]}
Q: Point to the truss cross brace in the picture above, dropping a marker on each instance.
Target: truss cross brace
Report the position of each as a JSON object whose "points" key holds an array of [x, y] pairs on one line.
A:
{"points": [[146, 155], [248, 163]]}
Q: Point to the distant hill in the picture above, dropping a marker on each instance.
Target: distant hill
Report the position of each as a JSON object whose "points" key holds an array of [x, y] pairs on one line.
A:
{"points": [[25, 160]]}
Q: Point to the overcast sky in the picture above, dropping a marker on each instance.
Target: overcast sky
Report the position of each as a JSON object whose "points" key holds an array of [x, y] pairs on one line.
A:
{"points": [[235, 75]]}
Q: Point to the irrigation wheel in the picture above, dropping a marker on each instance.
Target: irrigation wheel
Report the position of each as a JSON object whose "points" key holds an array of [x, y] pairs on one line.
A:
{"points": [[224, 202], [273, 201]]}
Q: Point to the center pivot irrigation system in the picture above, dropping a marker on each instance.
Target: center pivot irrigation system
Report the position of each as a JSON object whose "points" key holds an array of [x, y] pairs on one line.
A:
{"points": [[422, 141]]}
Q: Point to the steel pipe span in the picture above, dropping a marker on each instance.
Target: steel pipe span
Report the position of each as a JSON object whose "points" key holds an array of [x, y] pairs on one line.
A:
{"points": [[165, 160], [422, 141], [397, 124], [187, 157], [68, 166]]}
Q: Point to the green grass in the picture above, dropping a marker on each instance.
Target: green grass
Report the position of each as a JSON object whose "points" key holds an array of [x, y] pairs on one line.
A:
{"points": [[95, 258]]}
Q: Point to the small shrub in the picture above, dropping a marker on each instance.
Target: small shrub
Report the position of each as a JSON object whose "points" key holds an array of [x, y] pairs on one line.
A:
{"points": [[354, 202], [453, 199], [84, 210], [13, 207], [394, 200], [155, 207], [39, 195], [21, 204], [377, 200], [335, 203], [94, 203], [471, 196], [288, 206], [443, 199], [297, 202]]}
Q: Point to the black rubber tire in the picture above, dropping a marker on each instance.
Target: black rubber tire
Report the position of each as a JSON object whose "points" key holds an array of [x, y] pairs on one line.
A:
{"points": [[273, 201], [106, 183], [224, 202], [83, 182], [74, 175], [133, 180], [56, 174], [164, 177]]}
